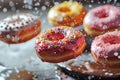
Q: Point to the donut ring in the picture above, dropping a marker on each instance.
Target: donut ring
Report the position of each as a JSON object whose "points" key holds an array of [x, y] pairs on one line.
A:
{"points": [[66, 14], [19, 28], [106, 48], [59, 44], [102, 19]]}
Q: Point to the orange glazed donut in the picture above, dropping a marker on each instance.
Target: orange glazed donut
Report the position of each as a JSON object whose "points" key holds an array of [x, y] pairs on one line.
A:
{"points": [[102, 19], [67, 14], [19, 28], [106, 48], [60, 44]]}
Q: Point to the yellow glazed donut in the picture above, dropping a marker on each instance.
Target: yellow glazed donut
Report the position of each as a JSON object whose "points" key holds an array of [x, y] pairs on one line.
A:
{"points": [[67, 14]]}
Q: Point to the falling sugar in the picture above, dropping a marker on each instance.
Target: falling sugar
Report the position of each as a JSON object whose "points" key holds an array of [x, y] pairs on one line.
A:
{"points": [[4, 10]]}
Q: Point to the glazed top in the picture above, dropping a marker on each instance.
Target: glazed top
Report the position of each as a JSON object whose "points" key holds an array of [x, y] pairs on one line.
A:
{"points": [[103, 17], [17, 22], [58, 39], [64, 9], [107, 45]]}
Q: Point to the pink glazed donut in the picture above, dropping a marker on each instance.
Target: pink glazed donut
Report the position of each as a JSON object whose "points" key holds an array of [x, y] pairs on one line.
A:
{"points": [[106, 48], [102, 19]]}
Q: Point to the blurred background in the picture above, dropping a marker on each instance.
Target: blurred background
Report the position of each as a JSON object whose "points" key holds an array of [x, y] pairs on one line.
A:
{"points": [[23, 56]]}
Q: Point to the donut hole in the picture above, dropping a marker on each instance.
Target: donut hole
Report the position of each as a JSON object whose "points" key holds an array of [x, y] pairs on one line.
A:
{"points": [[55, 36], [102, 14], [64, 9], [112, 40]]}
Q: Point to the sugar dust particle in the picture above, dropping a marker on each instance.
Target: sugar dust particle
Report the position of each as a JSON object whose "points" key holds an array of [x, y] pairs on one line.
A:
{"points": [[37, 4], [43, 8], [92, 1], [99, 2], [11, 4], [13, 9], [4, 10], [36, 8], [90, 6]]}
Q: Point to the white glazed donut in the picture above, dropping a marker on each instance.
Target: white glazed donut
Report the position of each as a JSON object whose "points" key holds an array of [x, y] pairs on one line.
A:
{"points": [[19, 28]]}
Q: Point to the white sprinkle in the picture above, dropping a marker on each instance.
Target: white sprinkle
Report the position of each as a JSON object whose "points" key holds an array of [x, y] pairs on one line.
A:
{"points": [[99, 2], [92, 1], [104, 70], [8, 36], [110, 74], [4, 10], [106, 73], [115, 53], [24, 1], [118, 57], [15, 39], [16, 3], [104, 26], [40, 43], [36, 8], [54, 52]]}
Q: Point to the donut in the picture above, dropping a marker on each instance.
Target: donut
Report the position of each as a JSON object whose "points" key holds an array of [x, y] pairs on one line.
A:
{"points": [[101, 20], [19, 28], [67, 14], [106, 48], [59, 44]]}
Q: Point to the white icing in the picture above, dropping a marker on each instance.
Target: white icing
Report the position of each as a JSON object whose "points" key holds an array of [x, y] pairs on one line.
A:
{"points": [[8, 23]]}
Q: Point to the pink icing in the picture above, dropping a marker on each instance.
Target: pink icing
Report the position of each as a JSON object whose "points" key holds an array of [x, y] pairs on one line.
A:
{"points": [[59, 40], [103, 17], [106, 45]]}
